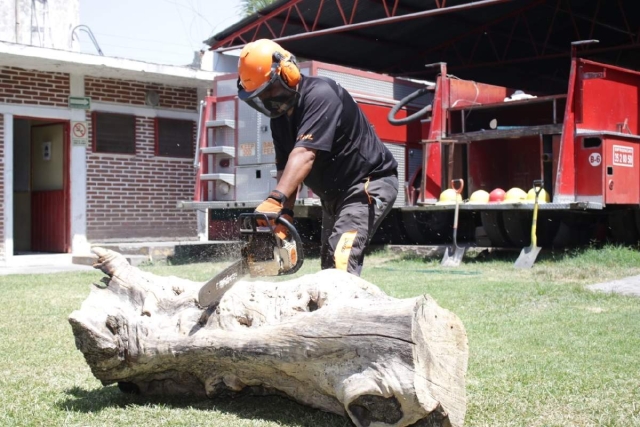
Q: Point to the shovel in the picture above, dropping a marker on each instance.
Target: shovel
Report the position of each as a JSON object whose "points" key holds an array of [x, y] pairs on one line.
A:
{"points": [[453, 254], [528, 255]]}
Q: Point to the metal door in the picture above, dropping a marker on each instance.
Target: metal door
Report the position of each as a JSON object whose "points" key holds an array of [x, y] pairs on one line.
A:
{"points": [[622, 172], [49, 207]]}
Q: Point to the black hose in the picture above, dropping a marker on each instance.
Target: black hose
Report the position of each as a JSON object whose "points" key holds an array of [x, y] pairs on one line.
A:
{"points": [[403, 102]]}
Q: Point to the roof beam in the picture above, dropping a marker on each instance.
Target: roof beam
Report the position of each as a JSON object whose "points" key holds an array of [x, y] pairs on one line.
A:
{"points": [[296, 21], [256, 25], [583, 53], [478, 30], [372, 23], [594, 21], [393, 19]]}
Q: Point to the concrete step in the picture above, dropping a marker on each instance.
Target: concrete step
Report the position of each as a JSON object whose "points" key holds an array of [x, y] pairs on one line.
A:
{"points": [[191, 251], [40, 259], [430, 251], [91, 259]]}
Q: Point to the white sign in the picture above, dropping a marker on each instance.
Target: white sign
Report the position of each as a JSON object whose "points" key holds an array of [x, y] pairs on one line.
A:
{"points": [[623, 156], [595, 159], [247, 150], [268, 148], [79, 134], [80, 102], [46, 151]]}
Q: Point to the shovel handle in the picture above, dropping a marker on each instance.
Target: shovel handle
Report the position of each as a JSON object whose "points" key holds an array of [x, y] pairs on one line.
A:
{"points": [[457, 185], [538, 184]]}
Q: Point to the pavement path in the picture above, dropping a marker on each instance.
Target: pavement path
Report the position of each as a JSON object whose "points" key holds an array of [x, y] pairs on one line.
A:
{"points": [[44, 269], [627, 286]]}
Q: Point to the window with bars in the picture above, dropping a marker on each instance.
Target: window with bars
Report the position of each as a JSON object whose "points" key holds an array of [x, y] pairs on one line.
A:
{"points": [[174, 138], [114, 133]]}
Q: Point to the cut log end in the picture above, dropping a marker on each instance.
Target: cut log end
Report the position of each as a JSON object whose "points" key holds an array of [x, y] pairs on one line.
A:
{"points": [[329, 340]]}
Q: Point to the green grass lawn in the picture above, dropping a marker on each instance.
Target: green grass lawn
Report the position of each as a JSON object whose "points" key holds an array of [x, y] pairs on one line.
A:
{"points": [[542, 350]]}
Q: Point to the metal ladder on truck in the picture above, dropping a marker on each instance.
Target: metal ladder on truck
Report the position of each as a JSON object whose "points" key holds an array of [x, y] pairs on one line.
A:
{"points": [[213, 163]]}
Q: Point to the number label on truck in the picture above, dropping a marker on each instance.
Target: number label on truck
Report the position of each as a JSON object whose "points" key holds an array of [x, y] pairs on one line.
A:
{"points": [[595, 159], [623, 156]]}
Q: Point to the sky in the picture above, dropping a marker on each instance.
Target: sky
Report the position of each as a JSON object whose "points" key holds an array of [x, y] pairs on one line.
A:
{"points": [[158, 31]]}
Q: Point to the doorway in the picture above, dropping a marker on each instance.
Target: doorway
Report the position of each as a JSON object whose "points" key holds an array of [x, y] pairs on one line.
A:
{"points": [[41, 186]]}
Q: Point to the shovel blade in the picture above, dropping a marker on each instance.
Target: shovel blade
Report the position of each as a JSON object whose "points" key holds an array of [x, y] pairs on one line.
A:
{"points": [[527, 257], [453, 256]]}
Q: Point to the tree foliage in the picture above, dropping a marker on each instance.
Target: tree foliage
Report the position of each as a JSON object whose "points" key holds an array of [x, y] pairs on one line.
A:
{"points": [[249, 7]]}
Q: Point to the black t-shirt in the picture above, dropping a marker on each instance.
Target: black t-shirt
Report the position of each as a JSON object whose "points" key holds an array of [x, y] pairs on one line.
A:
{"points": [[328, 120]]}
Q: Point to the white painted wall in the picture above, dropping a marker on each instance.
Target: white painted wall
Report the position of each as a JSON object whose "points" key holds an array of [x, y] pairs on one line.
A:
{"points": [[78, 65], [78, 179], [78, 166], [43, 23], [8, 188], [219, 62]]}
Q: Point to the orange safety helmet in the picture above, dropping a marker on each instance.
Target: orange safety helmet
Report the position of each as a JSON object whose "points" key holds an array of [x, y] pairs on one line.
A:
{"points": [[261, 59], [267, 77]]}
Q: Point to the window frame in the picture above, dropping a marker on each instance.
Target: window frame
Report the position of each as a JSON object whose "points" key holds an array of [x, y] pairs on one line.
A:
{"points": [[94, 133], [156, 128]]}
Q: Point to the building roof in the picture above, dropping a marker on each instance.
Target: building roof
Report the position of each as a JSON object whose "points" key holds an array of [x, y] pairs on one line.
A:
{"points": [[45, 59], [518, 43]]}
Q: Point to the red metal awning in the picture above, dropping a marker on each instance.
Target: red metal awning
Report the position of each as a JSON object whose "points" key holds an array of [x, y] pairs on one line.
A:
{"points": [[522, 43]]}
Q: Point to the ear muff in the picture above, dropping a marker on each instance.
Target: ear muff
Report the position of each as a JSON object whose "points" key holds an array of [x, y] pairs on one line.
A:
{"points": [[289, 70]]}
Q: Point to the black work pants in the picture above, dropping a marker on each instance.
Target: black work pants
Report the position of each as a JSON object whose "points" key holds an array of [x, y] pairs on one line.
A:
{"points": [[350, 221]]}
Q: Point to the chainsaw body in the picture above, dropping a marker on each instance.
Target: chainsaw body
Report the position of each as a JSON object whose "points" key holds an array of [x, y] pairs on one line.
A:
{"points": [[265, 253]]}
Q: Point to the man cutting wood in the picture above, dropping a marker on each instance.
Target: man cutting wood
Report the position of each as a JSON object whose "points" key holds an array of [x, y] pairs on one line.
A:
{"points": [[322, 139]]}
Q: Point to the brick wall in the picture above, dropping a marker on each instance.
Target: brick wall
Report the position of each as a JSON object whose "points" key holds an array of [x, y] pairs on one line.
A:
{"points": [[18, 86], [2, 254], [134, 197], [130, 197], [133, 93]]}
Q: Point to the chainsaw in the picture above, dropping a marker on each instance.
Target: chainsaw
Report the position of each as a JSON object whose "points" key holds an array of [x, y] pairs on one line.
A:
{"points": [[263, 253]]}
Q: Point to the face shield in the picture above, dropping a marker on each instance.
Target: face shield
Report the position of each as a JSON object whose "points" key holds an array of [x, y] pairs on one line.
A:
{"points": [[273, 99]]}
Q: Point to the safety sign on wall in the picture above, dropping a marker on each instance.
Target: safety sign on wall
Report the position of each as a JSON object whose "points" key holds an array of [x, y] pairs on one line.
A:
{"points": [[46, 151], [79, 134]]}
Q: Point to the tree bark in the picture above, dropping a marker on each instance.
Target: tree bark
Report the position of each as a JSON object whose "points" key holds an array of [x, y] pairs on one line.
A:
{"points": [[329, 340]]}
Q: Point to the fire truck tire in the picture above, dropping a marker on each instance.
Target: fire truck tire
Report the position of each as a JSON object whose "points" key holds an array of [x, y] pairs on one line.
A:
{"points": [[427, 228], [412, 229], [391, 117], [309, 230], [390, 230], [518, 227], [517, 224], [578, 229], [494, 228], [623, 226]]}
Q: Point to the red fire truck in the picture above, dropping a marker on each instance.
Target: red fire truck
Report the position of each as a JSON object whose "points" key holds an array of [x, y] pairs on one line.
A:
{"points": [[575, 128], [235, 158], [583, 144]]}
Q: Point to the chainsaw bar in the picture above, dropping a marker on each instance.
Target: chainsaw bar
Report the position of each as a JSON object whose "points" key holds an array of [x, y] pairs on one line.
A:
{"points": [[213, 290], [263, 254]]}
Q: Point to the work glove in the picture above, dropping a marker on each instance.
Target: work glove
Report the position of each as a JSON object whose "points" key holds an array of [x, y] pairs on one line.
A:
{"points": [[274, 205]]}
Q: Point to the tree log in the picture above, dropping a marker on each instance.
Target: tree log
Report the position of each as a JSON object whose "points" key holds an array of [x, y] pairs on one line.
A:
{"points": [[329, 340]]}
